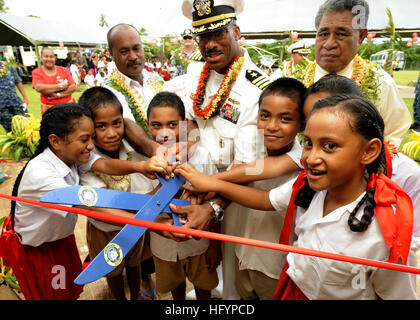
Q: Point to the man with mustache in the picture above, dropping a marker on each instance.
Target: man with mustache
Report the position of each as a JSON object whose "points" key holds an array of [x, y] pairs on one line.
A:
{"points": [[134, 88], [132, 84], [222, 101], [341, 28]]}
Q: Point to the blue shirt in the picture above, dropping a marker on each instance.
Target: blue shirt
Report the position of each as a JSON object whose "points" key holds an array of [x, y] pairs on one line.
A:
{"points": [[8, 94]]}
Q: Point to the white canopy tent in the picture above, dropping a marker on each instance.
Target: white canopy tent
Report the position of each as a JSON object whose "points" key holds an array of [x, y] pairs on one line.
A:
{"points": [[27, 31]]}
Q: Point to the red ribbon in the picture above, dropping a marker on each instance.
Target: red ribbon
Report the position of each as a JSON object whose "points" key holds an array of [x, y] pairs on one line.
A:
{"points": [[397, 227], [218, 236], [288, 220]]}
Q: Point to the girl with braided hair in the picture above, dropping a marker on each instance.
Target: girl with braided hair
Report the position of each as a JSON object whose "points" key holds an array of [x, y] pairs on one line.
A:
{"points": [[401, 169], [37, 242], [340, 203]]}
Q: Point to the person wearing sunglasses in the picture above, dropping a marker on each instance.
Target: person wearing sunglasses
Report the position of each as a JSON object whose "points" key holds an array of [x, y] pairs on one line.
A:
{"points": [[182, 57]]}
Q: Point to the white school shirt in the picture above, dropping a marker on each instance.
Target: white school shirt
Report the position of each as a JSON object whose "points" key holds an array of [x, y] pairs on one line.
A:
{"points": [[265, 226], [231, 135], [89, 80], [391, 106], [100, 80], [405, 173], [44, 173], [170, 250], [139, 183], [325, 279]]}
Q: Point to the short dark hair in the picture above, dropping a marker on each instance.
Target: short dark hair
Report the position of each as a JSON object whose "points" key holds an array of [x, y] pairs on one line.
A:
{"points": [[331, 6], [111, 31], [167, 99], [335, 84], [287, 87], [97, 97]]}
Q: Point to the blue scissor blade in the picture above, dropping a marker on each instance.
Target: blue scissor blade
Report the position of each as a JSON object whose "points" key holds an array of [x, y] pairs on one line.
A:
{"points": [[129, 235], [106, 198]]}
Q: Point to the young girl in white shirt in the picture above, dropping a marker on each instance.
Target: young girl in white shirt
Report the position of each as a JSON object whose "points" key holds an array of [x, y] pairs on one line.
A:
{"points": [[340, 208], [39, 243]]}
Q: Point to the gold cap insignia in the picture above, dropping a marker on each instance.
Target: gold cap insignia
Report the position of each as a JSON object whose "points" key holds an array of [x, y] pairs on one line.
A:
{"points": [[203, 7]]}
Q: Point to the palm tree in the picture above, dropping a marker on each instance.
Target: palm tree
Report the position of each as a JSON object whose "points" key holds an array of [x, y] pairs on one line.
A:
{"points": [[103, 22], [3, 7], [390, 29]]}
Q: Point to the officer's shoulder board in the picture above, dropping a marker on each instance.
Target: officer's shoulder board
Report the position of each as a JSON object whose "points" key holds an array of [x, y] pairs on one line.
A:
{"points": [[196, 56], [258, 79]]}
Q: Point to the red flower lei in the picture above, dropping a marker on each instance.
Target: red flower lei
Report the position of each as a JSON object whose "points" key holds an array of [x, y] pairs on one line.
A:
{"points": [[221, 95]]}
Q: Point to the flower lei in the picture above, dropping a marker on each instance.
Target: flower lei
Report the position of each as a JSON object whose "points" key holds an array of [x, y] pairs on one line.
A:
{"points": [[116, 81], [181, 59], [288, 67], [221, 95], [182, 55], [363, 74], [4, 70]]}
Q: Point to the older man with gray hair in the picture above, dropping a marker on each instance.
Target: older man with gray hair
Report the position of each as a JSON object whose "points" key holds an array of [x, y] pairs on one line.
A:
{"points": [[341, 28]]}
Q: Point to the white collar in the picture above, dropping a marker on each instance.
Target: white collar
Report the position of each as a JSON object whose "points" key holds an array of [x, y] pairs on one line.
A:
{"points": [[247, 61], [347, 71], [131, 82], [62, 168], [318, 202]]}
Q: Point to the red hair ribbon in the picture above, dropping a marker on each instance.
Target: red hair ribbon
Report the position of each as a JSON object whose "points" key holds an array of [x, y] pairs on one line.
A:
{"points": [[390, 151], [397, 227]]}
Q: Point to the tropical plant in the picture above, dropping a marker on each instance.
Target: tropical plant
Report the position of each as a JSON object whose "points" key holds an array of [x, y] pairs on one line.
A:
{"points": [[394, 42], [22, 141], [3, 7], [102, 21], [7, 275], [412, 147]]}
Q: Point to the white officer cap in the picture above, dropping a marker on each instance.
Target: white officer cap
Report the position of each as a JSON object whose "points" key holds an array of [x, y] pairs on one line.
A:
{"points": [[211, 15], [301, 47]]}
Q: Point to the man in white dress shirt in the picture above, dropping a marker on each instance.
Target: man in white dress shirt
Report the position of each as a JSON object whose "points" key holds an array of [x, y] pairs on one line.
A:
{"points": [[133, 86]]}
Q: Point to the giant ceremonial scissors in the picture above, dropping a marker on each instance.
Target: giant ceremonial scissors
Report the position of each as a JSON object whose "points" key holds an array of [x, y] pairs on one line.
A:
{"points": [[150, 207]]}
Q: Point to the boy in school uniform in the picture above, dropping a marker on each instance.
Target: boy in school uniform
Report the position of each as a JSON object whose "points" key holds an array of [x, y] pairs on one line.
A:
{"points": [[193, 259], [280, 116], [109, 143]]}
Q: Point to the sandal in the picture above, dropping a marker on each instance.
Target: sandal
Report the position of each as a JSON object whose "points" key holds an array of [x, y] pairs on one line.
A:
{"points": [[149, 295]]}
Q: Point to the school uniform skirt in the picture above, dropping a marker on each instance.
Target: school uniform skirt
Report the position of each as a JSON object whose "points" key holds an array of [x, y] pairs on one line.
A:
{"points": [[286, 288], [45, 272]]}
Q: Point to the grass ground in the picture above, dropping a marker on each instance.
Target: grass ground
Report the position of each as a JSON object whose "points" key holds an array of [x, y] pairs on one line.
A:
{"points": [[404, 77], [34, 100]]}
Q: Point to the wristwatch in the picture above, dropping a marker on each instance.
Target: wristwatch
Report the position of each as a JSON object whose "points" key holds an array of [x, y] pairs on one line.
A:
{"points": [[218, 211]]}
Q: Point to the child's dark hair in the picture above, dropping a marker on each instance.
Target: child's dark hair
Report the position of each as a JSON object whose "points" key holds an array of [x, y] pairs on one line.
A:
{"points": [[167, 99], [334, 84], [365, 120], [99, 97], [288, 87], [59, 120]]}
